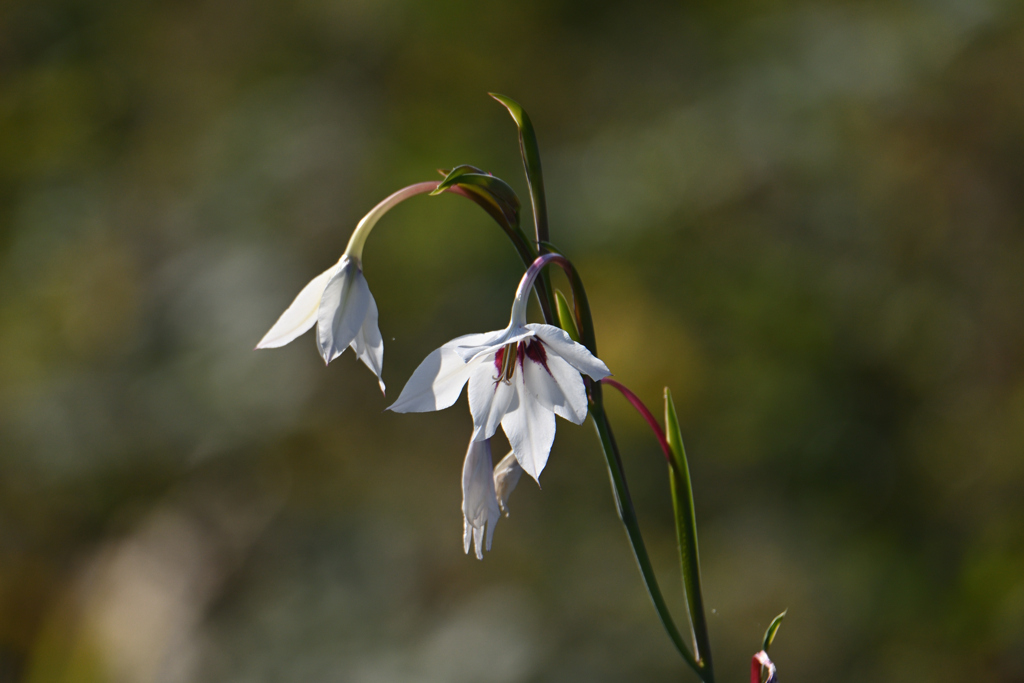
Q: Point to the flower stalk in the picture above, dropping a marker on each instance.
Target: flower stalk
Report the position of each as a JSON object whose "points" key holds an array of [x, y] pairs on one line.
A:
{"points": [[616, 471], [686, 532], [519, 378], [700, 661], [357, 241]]}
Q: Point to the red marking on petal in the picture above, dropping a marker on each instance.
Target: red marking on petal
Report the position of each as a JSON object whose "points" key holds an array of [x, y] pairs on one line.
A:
{"points": [[535, 351]]}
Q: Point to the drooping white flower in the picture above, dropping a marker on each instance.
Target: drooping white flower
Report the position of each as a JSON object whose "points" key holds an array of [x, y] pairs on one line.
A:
{"points": [[519, 377], [480, 508], [338, 300], [339, 303], [485, 494]]}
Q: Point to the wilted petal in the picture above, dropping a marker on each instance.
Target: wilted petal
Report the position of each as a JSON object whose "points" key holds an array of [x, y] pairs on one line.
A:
{"points": [[506, 476], [489, 397], [557, 386], [369, 345], [435, 384], [479, 502], [530, 428], [342, 310], [301, 314], [575, 354]]}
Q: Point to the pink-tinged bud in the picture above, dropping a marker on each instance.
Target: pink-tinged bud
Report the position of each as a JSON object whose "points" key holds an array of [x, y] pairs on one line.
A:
{"points": [[506, 476], [761, 665]]}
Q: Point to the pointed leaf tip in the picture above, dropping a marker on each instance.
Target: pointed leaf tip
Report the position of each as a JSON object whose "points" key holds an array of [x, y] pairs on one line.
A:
{"points": [[565, 316], [514, 108], [769, 635], [686, 531]]}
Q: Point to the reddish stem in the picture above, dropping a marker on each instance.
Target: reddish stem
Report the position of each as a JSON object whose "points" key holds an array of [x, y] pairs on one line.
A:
{"points": [[642, 409]]}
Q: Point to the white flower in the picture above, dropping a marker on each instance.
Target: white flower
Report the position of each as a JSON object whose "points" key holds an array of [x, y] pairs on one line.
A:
{"points": [[339, 303], [519, 377], [485, 494], [479, 502], [338, 300]]}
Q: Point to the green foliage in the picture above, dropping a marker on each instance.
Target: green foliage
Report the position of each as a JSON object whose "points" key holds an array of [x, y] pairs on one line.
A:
{"points": [[566, 319], [686, 534], [773, 628]]}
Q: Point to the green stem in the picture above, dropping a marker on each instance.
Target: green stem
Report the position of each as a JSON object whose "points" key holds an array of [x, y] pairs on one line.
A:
{"points": [[627, 513], [620, 490], [530, 152]]}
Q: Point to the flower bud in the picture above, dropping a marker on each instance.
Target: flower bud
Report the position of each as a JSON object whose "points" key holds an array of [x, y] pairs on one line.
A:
{"points": [[506, 476]]}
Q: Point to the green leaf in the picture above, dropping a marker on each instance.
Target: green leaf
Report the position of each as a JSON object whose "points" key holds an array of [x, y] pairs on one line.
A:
{"points": [[565, 317], [773, 627], [627, 513], [530, 152], [498, 195], [500, 201], [686, 533], [451, 176]]}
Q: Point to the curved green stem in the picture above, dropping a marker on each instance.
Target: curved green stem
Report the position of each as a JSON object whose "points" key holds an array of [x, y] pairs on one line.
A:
{"points": [[358, 239]]}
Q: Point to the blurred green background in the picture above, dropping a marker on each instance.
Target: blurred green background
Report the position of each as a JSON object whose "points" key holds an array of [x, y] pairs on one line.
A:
{"points": [[805, 218]]}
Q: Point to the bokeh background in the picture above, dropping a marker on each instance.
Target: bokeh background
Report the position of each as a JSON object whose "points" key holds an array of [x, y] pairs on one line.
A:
{"points": [[803, 217]]}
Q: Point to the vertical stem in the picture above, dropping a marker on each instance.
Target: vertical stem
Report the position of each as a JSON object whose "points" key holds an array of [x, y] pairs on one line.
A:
{"points": [[531, 160], [627, 513]]}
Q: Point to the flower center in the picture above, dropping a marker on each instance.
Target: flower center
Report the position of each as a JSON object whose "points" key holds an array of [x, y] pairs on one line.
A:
{"points": [[505, 362], [510, 355]]}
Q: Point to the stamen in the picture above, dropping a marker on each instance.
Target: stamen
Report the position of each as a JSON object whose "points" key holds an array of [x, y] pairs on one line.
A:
{"points": [[505, 362]]}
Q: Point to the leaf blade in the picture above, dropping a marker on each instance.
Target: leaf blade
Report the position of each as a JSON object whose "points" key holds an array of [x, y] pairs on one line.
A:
{"points": [[769, 634], [686, 534]]}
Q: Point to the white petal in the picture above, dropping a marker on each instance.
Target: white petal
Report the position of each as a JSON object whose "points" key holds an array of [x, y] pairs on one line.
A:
{"points": [[435, 384], [489, 397], [342, 310], [530, 429], [577, 355], [570, 382], [369, 345], [557, 386], [472, 345], [506, 476], [300, 315], [479, 503]]}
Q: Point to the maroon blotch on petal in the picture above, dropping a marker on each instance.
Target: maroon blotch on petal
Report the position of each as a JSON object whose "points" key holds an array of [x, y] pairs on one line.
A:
{"points": [[535, 351]]}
